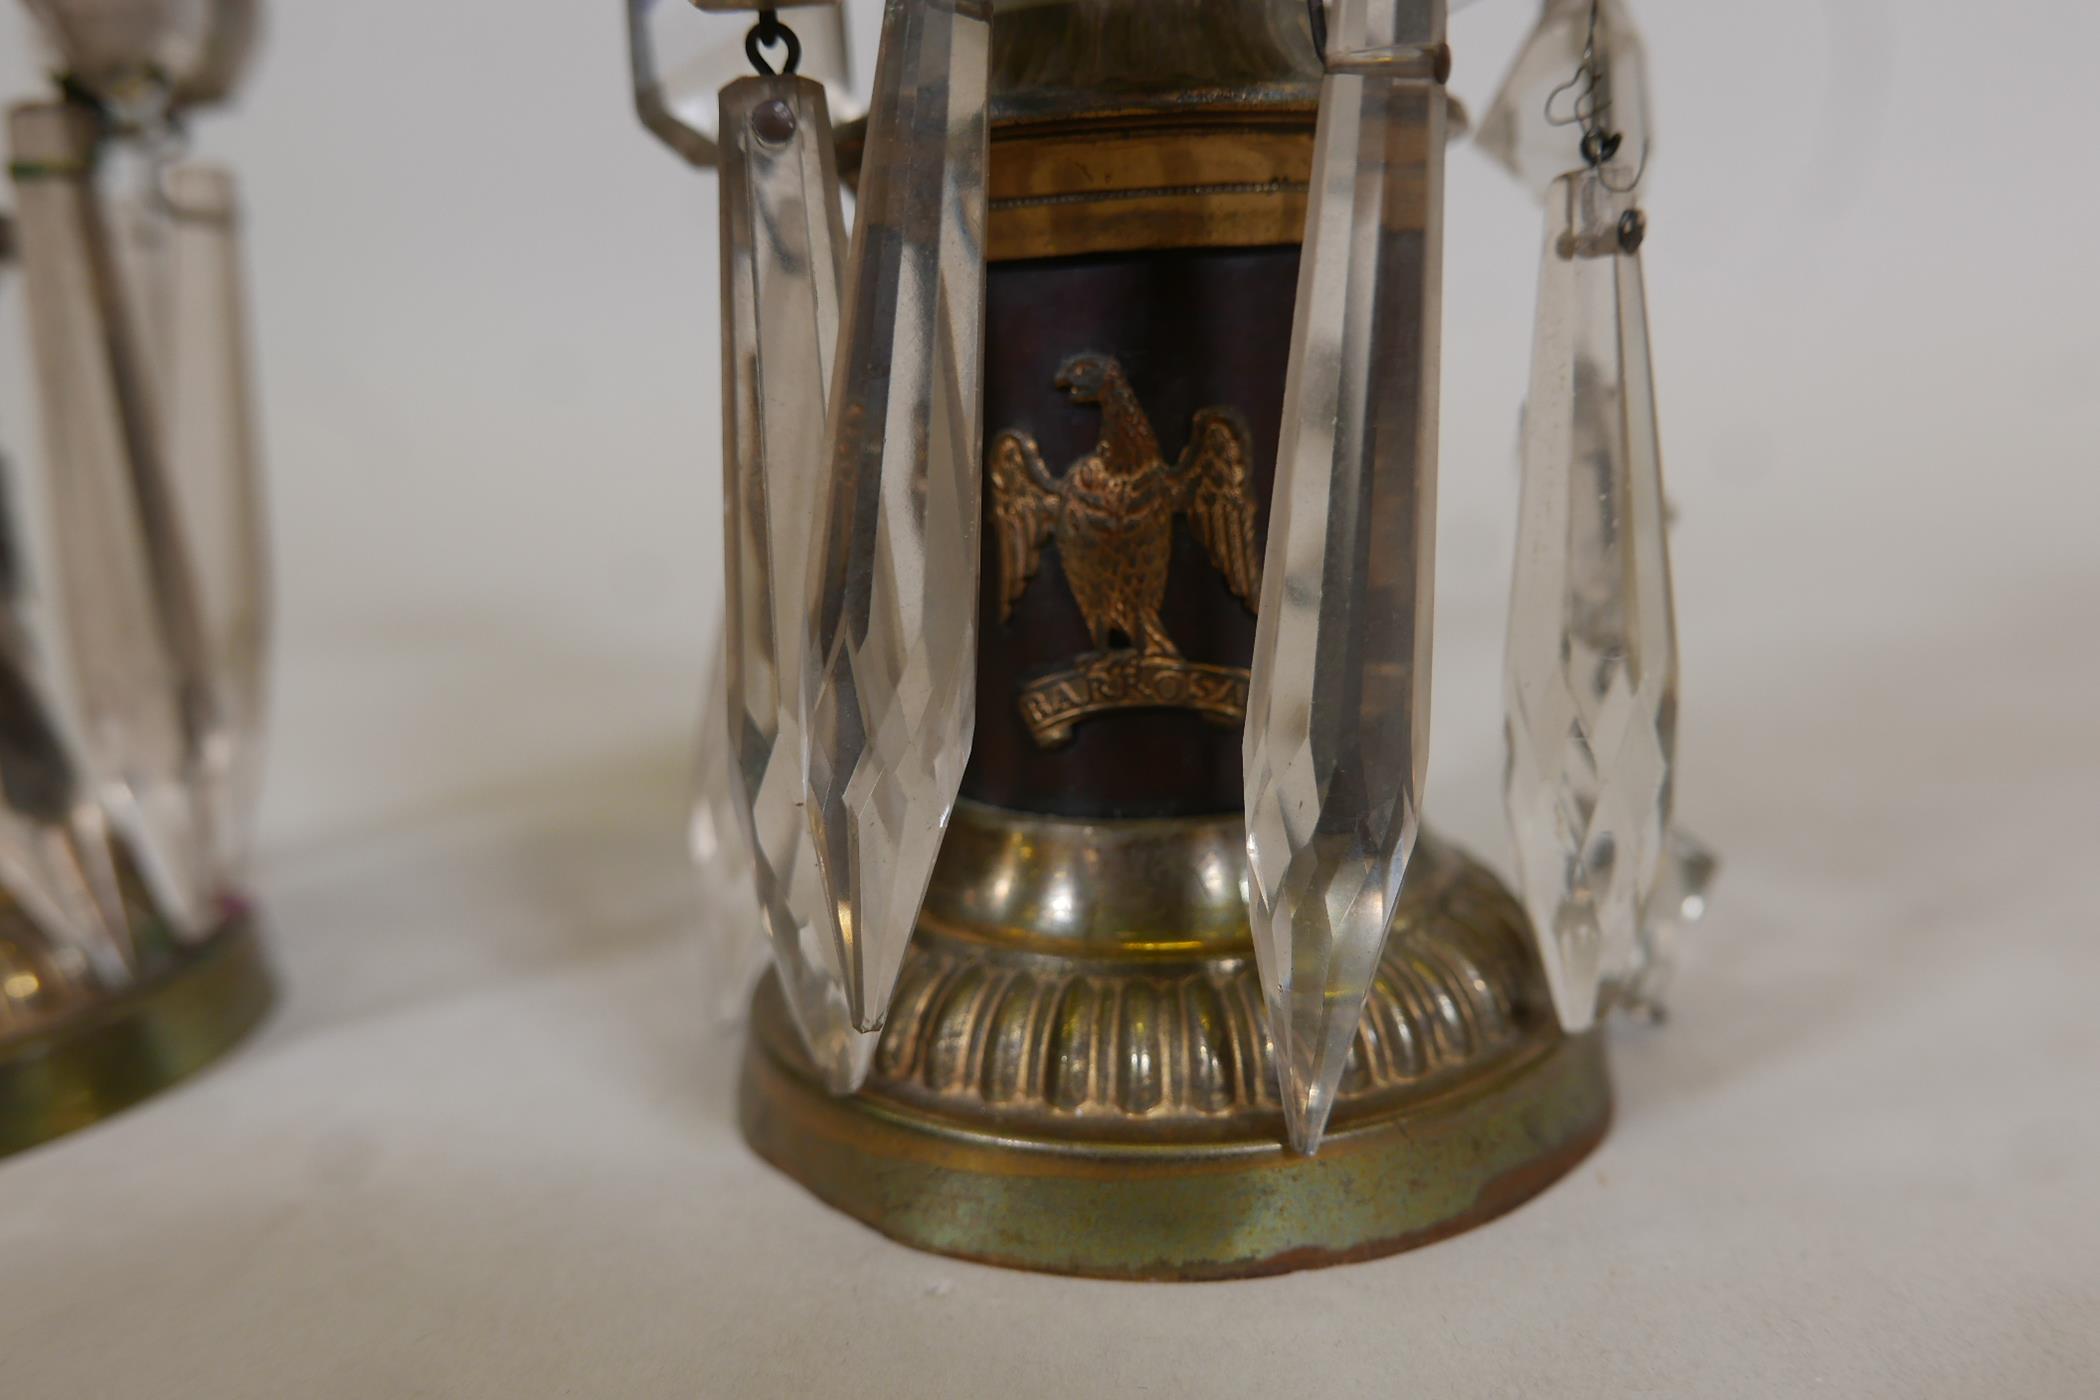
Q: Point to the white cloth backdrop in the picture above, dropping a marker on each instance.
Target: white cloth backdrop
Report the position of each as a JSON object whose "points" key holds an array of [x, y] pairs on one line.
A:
{"points": [[483, 1148]]}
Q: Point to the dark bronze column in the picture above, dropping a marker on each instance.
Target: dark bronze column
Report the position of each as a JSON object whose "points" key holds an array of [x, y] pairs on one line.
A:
{"points": [[1192, 329]]}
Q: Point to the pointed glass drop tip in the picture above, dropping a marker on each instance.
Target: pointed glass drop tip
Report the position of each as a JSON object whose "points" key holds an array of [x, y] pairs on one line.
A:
{"points": [[1338, 712], [134, 698], [1689, 868], [1533, 127], [891, 663], [783, 251], [1591, 674]]}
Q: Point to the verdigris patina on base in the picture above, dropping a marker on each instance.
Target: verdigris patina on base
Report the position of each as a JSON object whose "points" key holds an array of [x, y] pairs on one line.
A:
{"points": [[109, 1052]]}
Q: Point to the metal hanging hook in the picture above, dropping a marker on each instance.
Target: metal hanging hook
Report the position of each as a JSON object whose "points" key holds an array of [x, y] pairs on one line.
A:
{"points": [[1591, 109], [769, 33], [1583, 84]]}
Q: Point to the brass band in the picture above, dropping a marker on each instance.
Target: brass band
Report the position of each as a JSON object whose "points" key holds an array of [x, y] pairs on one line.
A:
{"points": [[1119, 182]]}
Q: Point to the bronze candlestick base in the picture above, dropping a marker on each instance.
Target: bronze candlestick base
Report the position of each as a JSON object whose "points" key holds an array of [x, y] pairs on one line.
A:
{"points": [[82, 1057], [1075, 1075]]}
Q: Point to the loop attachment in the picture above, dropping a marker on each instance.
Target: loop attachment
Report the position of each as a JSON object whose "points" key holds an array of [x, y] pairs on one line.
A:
{"points": [[770, 33]]}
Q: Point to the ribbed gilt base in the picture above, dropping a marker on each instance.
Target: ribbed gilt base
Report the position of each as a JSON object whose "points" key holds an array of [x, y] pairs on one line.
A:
{"points": [[1075, 1079]]}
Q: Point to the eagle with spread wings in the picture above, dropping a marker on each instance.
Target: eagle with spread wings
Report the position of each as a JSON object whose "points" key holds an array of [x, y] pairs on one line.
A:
{"points": [[1112, 512]]}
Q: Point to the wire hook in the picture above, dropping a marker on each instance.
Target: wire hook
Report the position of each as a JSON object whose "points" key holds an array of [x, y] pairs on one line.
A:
{"points": [[768, 33], [1590, 109]]}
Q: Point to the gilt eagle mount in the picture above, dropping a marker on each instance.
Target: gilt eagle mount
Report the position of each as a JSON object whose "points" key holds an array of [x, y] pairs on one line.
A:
{"points": [[1112, 517]]}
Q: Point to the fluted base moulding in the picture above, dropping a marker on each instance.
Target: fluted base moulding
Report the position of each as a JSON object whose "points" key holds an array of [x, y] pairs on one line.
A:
{"points": [[110, 1052], [1074, 1078]]}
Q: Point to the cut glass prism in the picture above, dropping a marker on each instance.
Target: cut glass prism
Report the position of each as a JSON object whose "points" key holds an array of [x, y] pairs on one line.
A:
{"points": [[783, 246], [1688, 870], [1338, 715], [1591, 679], [891, 665], [134, 694], [55, 859], [176, 236], [207, 418]]}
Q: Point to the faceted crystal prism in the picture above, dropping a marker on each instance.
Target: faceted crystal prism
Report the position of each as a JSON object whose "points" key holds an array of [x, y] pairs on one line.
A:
{"points": [[1592, 666], [1534, 126], [131, 653], [55, 859], [208, 421], [1679, 901], [1338, 715], [175, 234], [892, 660], [783, 245]]}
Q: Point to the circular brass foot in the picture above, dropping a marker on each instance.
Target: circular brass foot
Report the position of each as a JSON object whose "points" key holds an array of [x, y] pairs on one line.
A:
{"points": [[1092, 1093], [109, 1053]]}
